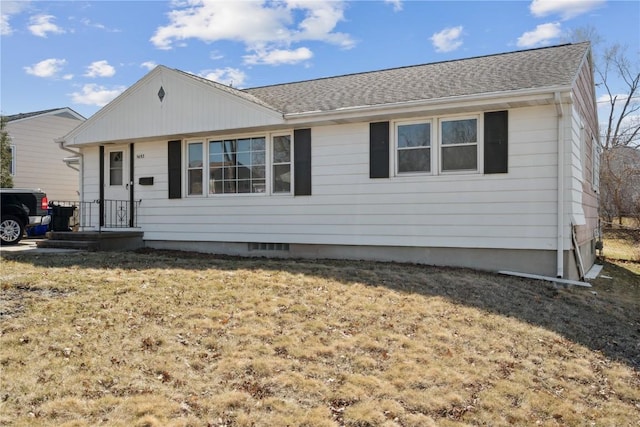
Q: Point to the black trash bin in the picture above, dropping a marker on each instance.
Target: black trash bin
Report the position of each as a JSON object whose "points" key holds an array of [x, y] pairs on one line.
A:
{"points": [[60, 217]]}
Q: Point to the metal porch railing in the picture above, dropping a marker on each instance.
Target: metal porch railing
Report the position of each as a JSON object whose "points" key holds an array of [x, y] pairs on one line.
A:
{"points": [[116, 213]]}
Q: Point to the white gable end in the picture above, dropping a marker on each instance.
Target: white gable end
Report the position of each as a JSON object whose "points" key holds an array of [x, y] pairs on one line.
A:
{"points": [[167, 102]]}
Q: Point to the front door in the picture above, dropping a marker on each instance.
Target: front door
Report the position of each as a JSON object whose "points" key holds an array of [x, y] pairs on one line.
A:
{"points": [[117, 186]]}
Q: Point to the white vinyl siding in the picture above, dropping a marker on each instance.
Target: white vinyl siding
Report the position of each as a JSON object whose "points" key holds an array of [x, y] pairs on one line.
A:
{"points": [[514, 211], [575, 167]]}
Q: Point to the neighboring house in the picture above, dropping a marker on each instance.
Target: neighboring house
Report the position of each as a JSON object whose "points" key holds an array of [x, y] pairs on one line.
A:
{"points": [[38, 162], [484, 162]]}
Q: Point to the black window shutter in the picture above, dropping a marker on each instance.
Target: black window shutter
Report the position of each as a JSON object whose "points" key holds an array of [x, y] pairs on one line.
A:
{"points": [[302, 162], [175, 169], [496, 142], [379, 150]]}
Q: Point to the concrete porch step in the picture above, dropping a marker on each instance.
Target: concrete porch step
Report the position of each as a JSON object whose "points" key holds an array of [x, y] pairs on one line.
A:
{"points": [[94, 240], [86, 245]]}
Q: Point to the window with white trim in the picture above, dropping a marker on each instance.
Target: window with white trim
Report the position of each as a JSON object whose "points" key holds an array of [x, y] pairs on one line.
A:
{"points": [[281, 164], [459, 144], [116, 163], [194, 168], [451, 146], [237, 166], [413, 147], [244, 165]]}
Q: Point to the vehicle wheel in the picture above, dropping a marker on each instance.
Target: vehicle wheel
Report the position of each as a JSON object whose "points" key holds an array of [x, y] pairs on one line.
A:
{"points": [[11, 230]]}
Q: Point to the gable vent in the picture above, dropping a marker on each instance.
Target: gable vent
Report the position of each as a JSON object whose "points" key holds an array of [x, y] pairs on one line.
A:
{"points": [[161, 93]]}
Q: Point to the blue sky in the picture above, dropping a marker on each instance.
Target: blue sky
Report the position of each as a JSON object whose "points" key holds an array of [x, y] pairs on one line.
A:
{"points": [[82, 54]]}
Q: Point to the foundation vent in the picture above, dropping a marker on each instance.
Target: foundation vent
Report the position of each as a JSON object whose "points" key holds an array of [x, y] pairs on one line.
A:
{"points": [[269, 247]]}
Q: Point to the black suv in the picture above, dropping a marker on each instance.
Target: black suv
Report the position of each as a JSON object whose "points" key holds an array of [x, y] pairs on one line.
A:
{"points": [[21, 209]]}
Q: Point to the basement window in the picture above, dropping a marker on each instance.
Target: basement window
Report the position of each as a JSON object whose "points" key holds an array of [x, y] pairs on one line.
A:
{"points": [[284, 247]]}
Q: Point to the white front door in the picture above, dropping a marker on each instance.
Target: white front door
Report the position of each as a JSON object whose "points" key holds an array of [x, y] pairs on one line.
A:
{"points": [[117, 186]]}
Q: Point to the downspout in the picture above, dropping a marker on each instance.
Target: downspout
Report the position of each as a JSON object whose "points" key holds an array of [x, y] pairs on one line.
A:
{"points": [[81, 170], [560, 210], [69, 150]]}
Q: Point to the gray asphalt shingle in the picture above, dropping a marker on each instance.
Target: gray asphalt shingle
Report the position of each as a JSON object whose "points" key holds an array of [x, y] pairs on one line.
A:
{"points": [[528, 69]]}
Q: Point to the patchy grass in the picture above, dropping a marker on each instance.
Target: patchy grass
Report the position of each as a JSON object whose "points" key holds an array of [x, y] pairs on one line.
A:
{"points": [[162, 339], [622, 244]]}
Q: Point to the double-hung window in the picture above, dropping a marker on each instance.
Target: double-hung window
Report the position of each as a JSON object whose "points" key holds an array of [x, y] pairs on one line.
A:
{"points": [[414, 147], [459, 144], [194, 168], [438, 145], [281, 162]]}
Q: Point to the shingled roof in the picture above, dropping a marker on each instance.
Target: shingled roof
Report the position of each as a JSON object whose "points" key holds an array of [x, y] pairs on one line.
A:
{"points": [[63, 110], [527, 69]]}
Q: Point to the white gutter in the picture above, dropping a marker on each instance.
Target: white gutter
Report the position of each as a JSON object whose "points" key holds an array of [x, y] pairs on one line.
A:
{"points": [[560, 210], [515, 95]]}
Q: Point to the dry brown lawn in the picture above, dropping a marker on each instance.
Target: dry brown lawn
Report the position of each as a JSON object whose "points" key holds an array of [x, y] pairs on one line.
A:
{"points": [[177, 339], [622, 244]]}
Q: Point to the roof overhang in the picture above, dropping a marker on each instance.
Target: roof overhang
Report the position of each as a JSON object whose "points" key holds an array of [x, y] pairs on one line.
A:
{"points": [[419, 108], [449, 105]]}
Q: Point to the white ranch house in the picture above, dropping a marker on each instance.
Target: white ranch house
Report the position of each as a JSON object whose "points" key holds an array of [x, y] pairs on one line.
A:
{"points": [[486, 162]]}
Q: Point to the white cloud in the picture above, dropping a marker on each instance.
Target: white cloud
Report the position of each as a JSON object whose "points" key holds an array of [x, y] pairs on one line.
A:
{"points": [[149, 65], [447, 39], [567, 9], [397, 4], [40, 25], [607, 99], [543, 34], [261, 26], [100, 69], [96, 95], [226, 76], [279, 56], [215, 55], [10, 8], [5, 27], [91, 24], [321, 18], [46, 68]]}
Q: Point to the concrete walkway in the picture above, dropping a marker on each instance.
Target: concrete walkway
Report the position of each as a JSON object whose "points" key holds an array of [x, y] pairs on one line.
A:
{"points": [[29, 246]]}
